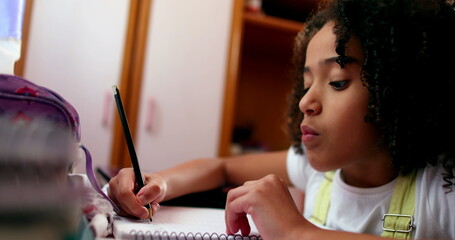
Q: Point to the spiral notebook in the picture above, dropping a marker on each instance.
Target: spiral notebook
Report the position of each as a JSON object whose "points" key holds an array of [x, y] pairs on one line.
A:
{"points": [[179, 223]]}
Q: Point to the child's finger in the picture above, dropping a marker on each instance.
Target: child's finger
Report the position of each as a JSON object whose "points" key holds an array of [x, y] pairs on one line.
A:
{"points": [[235, 214], [236, 221], [155, 207], [121, 190], [130, 204], [148, 194]]}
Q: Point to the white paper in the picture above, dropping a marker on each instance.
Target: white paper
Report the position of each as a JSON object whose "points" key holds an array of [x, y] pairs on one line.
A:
{"points": [[178, 223]]}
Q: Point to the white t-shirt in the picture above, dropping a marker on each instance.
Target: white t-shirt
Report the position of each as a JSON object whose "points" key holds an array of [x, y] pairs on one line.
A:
{"points": [[360, 210]]}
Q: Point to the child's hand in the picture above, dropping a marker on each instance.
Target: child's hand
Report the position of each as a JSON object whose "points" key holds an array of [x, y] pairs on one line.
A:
{"points": [[123, 186], [270, 205]]}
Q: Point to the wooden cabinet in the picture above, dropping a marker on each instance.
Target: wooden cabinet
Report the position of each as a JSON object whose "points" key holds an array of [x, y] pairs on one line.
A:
{"points": [[258, 79]]}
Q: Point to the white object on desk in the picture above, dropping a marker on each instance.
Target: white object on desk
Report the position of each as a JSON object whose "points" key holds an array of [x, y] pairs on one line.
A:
{"points": [[179, 223]]}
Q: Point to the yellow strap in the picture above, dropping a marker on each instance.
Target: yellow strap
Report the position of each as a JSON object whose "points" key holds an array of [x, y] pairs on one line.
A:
{"points": [[321, 207], [399, 222]]}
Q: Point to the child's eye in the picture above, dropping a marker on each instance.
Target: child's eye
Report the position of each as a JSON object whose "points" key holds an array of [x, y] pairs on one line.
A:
{"points": [[339, 85]]}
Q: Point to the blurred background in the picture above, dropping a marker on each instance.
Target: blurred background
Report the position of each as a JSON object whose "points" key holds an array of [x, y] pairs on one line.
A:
{"points": [[198, 78]]}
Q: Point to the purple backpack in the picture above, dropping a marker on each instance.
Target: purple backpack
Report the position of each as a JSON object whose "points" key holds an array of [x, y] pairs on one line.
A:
{"points": [[22, 100]]}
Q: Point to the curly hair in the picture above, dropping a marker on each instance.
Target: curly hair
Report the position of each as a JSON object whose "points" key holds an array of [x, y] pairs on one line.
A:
{"points": [[409, 71]]}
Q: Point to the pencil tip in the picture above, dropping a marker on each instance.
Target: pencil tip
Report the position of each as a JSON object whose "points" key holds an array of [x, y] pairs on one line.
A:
{"points": [[150, 214]]}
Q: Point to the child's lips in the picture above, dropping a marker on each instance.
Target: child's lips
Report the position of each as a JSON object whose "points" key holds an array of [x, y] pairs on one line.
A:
{"points": [[308, 134]]}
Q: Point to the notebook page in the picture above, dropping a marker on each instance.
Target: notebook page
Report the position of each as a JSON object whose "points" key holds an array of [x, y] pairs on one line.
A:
{"points": [[177, 221]]}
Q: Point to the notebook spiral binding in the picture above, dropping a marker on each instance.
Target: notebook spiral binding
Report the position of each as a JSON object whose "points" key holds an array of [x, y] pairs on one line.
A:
{"points": [[148, 235]]}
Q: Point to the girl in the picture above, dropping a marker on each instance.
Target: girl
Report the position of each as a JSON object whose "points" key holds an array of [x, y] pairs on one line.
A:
{"points": [[372, 130]]}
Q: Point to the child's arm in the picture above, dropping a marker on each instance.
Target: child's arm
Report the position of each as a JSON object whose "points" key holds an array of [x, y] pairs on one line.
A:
{"points": [[193, 176], [204, 174]]}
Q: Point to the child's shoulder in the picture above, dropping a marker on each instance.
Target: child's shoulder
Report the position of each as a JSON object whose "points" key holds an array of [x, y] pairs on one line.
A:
{"points": [[432, 177], [431, 180], [434, 202]]}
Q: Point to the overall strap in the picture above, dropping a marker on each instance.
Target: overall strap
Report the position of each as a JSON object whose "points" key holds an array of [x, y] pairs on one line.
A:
{"points": [[397, 223], [321, 207]]}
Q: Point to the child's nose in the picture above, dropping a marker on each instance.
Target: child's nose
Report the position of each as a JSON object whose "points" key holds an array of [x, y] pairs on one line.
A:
{"points": [[309, 105]]}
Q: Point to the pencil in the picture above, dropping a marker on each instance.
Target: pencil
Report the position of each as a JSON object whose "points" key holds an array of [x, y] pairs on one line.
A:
{"points": [[130, 144]]}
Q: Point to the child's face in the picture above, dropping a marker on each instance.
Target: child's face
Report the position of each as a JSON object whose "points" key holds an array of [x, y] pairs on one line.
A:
{"points": [[335, 134]]}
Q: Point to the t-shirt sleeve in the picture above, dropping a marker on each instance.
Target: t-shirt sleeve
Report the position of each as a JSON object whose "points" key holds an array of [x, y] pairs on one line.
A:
{"points": [[297, 168], [440, 205]]}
